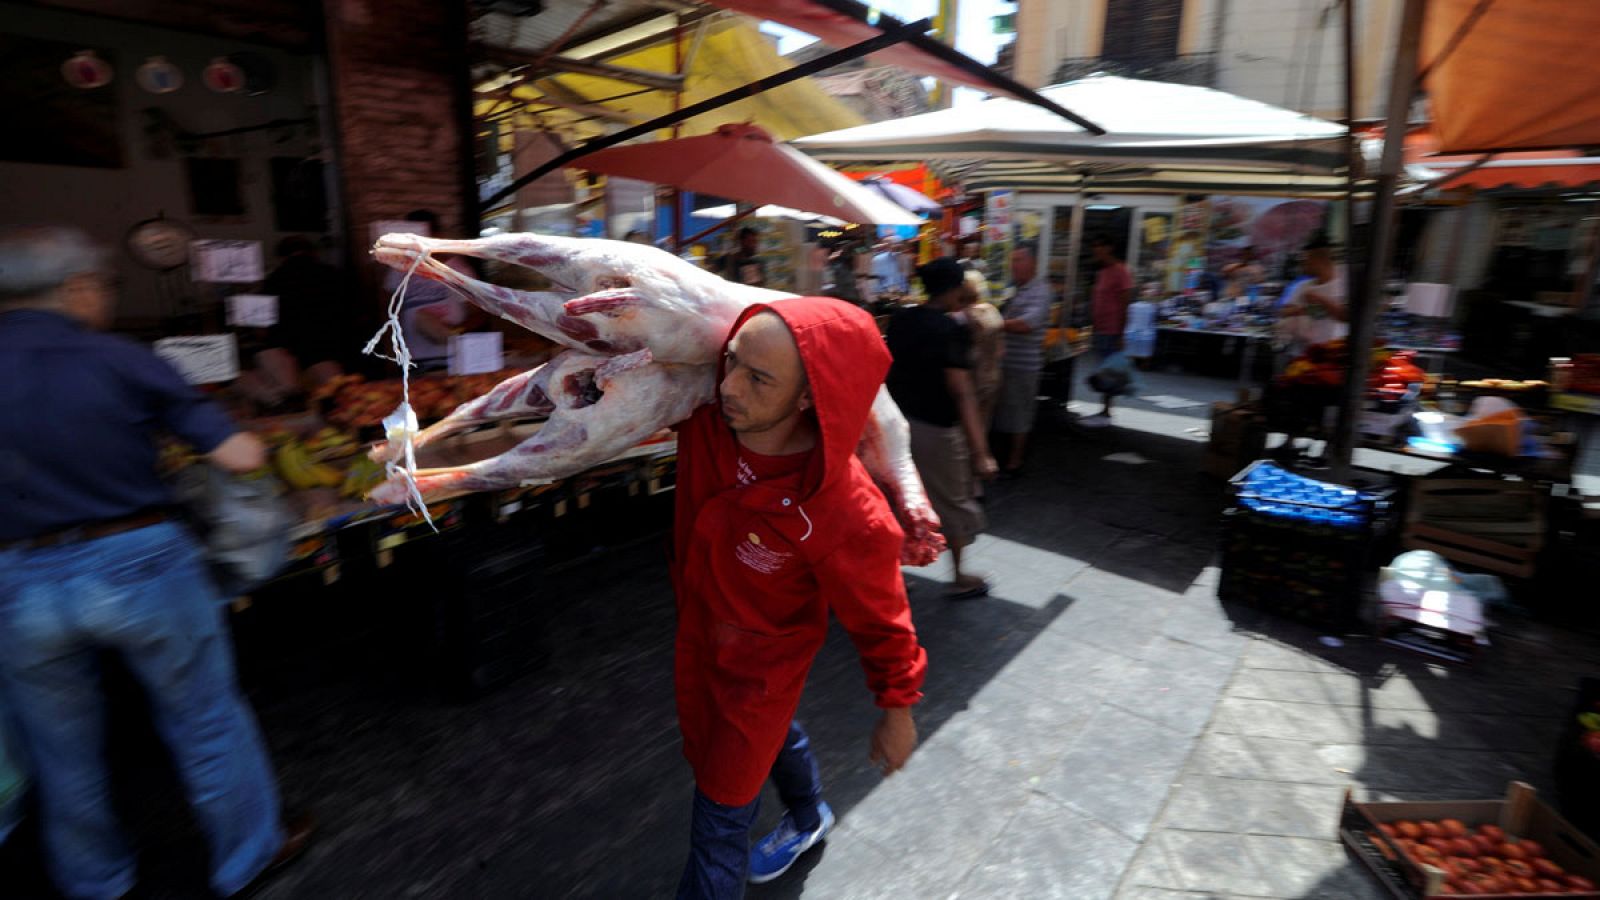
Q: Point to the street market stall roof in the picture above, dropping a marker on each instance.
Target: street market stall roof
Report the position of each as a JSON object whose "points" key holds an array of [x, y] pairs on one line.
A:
{"points": [[1512, 75], [1524, 170], [721, 53], [1149, 124], [744, 163]]}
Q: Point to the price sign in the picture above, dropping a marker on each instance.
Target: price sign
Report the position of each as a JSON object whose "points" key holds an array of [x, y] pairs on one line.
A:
{"points": [[476, 354], [202, 358], [227, 262], [252, 310]]}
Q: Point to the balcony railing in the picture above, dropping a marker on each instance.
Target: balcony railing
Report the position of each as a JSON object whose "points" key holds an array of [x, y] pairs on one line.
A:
{"points": [[1190, 68]]}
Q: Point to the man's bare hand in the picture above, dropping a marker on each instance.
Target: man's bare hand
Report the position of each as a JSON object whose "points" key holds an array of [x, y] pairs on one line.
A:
{"points": [[983, 466], [893, 740]]}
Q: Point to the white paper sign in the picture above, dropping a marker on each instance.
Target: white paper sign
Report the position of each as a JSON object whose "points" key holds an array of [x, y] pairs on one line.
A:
{"points": [[227, 262], [475, 354], [399, 226], [202, 358], [252, 310]]}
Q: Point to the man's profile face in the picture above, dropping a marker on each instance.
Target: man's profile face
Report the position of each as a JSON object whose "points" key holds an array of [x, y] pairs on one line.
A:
{"points": [[1102, 253], [1023, 266], [91, 298], [765, 382]]}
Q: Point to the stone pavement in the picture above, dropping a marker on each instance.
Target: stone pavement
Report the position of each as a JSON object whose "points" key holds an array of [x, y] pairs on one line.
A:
{"points": [[1099, 727]]}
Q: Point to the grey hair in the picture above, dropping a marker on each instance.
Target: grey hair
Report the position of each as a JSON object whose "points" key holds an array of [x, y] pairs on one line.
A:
{"points": [[35, 260]]}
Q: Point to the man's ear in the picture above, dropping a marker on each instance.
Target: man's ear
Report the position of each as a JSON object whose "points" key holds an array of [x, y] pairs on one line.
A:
{"points": [[805, 398]]}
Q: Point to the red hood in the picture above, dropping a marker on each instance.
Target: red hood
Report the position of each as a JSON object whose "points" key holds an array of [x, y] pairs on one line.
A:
{"points": [[846, 361]]}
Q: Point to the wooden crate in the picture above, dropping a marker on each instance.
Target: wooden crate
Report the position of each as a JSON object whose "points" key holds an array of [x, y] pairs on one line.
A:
{"points": [[1491, 524]]}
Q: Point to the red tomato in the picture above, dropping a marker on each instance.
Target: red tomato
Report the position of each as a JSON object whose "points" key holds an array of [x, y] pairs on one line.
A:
{"points": [[1484, 844], [1548, 886], [1519, 868], [1532, 848], [1430, 829], [1444, 845], [1463, 847], [1453, 827], [1548, 869], [1469, 865], [1512, 851], [1579, 883], [1492, 831], [1407, 829], [1525, 885], [1492, 864], [1387, 829]]}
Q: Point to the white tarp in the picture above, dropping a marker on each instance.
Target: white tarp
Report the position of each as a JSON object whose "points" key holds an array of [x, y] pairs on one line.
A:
{"points": [[1161, 136]]}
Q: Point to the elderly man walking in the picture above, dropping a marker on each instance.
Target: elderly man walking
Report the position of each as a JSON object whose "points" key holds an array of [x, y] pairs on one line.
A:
{"points": [[93, 560]]}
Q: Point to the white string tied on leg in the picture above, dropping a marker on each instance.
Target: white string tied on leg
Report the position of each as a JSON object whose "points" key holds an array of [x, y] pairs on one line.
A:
{"points": [[401, 425]]}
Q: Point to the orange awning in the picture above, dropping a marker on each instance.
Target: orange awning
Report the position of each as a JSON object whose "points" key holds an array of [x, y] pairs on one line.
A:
{"points": [[1525, 169], [1520, 76]]}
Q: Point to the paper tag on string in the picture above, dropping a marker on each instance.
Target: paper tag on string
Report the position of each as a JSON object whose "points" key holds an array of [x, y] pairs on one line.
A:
{"points": [[402, 423]]}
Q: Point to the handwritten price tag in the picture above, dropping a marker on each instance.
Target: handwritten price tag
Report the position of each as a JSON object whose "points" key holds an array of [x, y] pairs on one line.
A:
{"points": [[227, 262], [252, 310], [202, 358]]}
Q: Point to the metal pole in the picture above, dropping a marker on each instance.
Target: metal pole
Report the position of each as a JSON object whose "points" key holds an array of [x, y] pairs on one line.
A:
{"points": [[1367, 291], [1583, 289], [678, 66], [888, 38]]}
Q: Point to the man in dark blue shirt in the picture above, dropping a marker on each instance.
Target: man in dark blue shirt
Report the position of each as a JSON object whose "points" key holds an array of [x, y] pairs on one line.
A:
{"points": [[91, 559]]}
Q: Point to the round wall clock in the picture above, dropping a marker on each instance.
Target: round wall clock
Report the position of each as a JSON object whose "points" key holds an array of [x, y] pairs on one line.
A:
{"points": [[160, 243]]}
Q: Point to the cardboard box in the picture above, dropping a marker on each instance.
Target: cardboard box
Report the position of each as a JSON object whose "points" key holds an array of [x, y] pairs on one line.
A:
{"points": [[1488, 523], [1520, 814], [1238, 437]]}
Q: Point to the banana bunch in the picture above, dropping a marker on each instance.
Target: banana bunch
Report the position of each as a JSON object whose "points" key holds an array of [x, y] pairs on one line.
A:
{"points": [[331, 442], [301, 472], [362, 476]]}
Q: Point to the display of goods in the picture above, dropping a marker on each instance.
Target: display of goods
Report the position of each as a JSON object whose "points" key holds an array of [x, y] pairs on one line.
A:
{"points": [[1269, 490], [1504, 385], [644, 330], [1585, 375], [1298, 547], [1480, 859], [1322, 365], [1577, 768], [1394, 376]]}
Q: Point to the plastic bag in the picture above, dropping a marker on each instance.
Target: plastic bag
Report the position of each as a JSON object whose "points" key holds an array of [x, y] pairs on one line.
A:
{"points": [[244, 523], [1115, 376]]}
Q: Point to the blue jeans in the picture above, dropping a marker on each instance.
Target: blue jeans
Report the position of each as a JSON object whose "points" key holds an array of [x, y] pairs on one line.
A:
{"points": [[145, 595], [719, 836]]}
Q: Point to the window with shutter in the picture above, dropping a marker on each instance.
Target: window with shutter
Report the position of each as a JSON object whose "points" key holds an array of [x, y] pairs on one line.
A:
{"points": [[1142, 32]]}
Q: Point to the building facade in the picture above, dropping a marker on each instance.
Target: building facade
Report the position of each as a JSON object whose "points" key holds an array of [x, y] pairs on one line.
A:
{"points": [[1285, 52]]}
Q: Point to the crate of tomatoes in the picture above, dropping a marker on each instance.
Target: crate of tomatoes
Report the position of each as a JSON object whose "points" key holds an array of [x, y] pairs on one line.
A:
{"points": [[1515, 847]]}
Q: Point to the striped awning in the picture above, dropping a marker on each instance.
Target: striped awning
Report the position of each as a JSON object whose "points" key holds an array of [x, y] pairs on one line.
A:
{"points": [[990, 175]]}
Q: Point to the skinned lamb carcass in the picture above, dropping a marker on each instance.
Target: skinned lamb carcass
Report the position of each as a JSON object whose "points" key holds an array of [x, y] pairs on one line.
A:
{"points": [[662, 322]]}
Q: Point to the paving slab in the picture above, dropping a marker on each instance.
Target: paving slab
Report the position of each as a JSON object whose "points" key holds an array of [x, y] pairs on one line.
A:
{"points": [[1119, 770], [1051, 852]]}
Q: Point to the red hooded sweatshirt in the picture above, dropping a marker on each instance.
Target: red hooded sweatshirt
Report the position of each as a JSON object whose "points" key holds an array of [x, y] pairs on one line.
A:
{"points": [[757, 568]]}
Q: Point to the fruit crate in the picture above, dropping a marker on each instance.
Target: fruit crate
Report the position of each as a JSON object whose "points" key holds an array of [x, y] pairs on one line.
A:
{"points": [[1301, 554], [1520, 815], [1491, 524]]}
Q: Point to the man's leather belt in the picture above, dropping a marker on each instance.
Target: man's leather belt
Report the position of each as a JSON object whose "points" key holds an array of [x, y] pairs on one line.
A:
{"points": [[89, 532]]}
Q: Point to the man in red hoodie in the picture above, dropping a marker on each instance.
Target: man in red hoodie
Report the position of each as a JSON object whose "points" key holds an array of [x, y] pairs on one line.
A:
{"points": [[777, 524]]}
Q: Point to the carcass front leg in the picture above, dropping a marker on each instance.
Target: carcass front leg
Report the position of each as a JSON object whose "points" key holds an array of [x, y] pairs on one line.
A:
{"points": [[526, 463], [522, 396], [885, 451]]}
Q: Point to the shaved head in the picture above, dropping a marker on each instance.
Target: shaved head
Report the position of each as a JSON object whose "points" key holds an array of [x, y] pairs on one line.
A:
{"points": [[764, 389]]}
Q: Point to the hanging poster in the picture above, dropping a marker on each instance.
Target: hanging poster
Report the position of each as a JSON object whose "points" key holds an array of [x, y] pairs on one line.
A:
{"points": [[1269, 228]]}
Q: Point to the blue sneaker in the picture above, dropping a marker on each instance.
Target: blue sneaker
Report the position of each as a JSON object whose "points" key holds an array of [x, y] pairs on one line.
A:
{"points": [[774, 854]]}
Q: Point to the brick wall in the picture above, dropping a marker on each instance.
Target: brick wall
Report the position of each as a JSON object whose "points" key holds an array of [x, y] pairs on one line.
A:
{"points": [[398, 72]]}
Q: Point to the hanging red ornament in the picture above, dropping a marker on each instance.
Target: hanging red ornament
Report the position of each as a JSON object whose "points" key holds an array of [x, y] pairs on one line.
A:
{"points": [[223, 76], [86, 71]]}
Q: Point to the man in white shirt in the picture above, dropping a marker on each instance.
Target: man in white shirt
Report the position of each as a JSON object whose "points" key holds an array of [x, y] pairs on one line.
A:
{"points": [[888, 270], [1317, 311]]}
